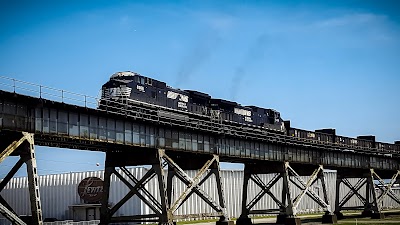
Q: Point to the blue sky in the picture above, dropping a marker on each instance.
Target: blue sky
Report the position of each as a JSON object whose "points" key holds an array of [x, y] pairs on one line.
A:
{"points": [[320, 63]]}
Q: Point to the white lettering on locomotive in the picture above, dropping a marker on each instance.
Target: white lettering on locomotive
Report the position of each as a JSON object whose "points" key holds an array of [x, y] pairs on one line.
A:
{"points": [[242, 112], [140, 88], [174, 95], [182, 105], [248, 119]]}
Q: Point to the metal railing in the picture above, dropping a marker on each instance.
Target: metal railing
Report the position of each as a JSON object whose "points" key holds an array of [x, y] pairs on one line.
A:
{"points": [[49, 93]]}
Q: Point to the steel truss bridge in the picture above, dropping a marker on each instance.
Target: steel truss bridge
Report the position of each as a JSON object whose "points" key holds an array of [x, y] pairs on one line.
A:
{"points": [[171, 142]]}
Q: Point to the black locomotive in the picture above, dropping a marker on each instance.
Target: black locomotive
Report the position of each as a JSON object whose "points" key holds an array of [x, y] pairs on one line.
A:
{"points": [[133, 86]]}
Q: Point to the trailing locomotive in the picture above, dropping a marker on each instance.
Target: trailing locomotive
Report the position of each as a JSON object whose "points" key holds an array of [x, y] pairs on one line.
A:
{"points": [[124, 86]]}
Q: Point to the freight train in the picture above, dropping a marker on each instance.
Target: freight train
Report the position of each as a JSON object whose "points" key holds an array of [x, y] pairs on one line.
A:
{"points": [[131, 87]]}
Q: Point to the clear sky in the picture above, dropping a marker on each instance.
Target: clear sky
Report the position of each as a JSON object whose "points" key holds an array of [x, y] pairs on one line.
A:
{"points": [[322, 64]]}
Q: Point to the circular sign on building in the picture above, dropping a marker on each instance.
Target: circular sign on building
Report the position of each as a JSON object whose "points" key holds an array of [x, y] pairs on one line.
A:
{"points": [[90, 189]]}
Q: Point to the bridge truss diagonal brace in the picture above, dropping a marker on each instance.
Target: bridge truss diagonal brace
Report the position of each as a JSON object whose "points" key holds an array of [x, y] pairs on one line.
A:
{"points": [[265, 189], [10, 215], [250, 173], [287, 204], [354, 191], [372, 202], [12, 147], [137, 187], [27, 156], [305, 188], [210, 167], [385, 188]]}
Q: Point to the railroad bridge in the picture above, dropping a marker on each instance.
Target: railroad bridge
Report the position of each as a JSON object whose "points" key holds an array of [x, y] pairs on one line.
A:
{"points": [[171, 142]]}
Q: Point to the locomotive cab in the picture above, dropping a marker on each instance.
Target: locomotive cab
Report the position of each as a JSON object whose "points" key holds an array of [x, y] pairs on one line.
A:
{"points": [[117, 87], [133, 86]]}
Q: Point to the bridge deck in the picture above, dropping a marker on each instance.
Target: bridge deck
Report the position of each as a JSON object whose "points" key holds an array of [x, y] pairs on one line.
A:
{"points": [[71, 126]]}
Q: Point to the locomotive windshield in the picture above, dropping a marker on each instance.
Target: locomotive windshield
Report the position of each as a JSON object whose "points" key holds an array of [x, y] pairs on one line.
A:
{"points": [[126, 74]]}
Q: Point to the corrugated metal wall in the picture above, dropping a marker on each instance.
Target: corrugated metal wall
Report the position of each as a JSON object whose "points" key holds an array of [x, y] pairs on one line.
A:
{"points": [[59, 191]]}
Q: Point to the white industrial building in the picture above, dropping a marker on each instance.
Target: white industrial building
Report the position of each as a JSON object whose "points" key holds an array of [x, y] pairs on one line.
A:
{"points": [[60, 198]]}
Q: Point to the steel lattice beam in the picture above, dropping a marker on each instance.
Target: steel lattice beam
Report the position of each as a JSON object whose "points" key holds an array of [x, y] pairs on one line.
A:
{"points": [[27, 156], [353, 191], [193, 185]]}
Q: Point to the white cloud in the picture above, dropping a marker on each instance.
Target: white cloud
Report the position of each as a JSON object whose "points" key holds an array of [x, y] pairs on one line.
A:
{"points": [[220, 22], [124, 20], [216, 21], [350, 20]]}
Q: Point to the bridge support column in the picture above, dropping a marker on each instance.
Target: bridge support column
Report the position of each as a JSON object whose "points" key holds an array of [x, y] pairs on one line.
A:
{"points": [[164, 168], [339, 204], [386, 191], [372, 202], [22, 144], [288, 204], [244, 216]]}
